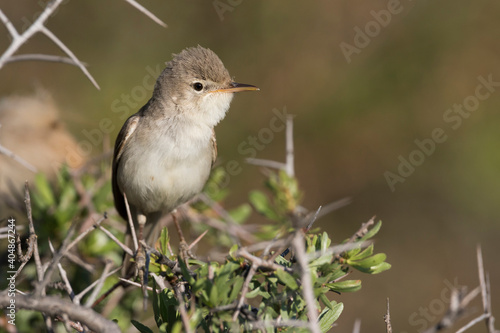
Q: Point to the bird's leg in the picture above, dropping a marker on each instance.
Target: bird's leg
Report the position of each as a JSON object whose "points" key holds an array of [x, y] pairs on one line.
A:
{"points": [[184, 250], [141, 260]]}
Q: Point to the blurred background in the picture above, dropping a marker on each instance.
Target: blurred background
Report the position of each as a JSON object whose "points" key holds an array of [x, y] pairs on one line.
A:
{"points": [[364, 81]]}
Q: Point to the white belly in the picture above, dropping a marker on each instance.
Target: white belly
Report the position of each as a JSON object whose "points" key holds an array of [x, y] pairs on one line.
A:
{"points": [[161, 176]]}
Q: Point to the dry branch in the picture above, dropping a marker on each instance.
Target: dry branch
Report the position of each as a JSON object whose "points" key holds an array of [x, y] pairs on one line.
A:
{"points": [[55, 306]]}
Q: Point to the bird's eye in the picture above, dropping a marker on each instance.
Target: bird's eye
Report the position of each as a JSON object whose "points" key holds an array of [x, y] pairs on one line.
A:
{"points": [[198, 86]]}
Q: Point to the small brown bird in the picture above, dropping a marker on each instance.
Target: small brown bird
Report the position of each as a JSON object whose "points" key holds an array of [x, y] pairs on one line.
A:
{"points": [[164, 153]]}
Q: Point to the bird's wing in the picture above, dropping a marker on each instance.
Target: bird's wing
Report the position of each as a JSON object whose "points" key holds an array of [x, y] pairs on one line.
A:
{"points": [[214, 147], [125, 133]]}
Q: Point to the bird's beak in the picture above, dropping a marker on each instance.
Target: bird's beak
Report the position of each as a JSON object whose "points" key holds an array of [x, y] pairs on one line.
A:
{"points": [[237, 87]]}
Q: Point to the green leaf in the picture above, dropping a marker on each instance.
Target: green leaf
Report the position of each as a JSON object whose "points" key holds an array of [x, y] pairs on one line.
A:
{"points": [[240, 214], [329, 315], [368, 262], [235, 290], [324, 259], [383, 266], [156, 309], [140, 327], [325, 300], [213, 296], [325, 241], [44, 191], [233, 249], [185, 271], [287, 279], [164, 239], [364, 254], [345, 286], [372, 265], [373, 231], [261, 203]]}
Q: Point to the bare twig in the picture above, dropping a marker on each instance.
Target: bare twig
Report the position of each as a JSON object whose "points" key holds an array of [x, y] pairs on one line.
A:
{"points": [[131, 224], [146, 12], [99, 284], [38, 26], [199, 238], [64, 276], [40, 288], [43, 57], [38, 262], [266, 163], [244, 290], [136, 284], [387, 319], [485, 292], [70, 54], [86, 232], [290, 168], [357, 326], [18, 159], [52, 305], [259, 261], [114, 239], [307, 286], [78, 297], [182, 308], [362, 230], [472, 323], [264, 324], [459, 302], [328, 208]]}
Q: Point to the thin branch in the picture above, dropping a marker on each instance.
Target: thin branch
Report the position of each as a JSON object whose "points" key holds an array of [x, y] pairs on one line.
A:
{"points": [[38, 262], [332, 206], [259, 261], [40, 288], [182, 309], [19, 40], [10, 27], [43, 57], [307, 286], [99, 284], [146, 12], [472, 323], [485, 292], [131, 224], [78, 297], [266, 163], [114, 239], [52, 306], [64, 276], [85, 233], [70, 54], [357, 326], [290, 168], [18, 159], [244, 290], [387, 319]]}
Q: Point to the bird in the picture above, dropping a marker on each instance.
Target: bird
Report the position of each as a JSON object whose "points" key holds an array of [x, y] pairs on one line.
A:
{"points": [[164, 153]]}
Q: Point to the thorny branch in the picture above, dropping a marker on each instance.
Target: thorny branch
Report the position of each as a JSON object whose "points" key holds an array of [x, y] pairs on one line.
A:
{"points": [[38, 26]]}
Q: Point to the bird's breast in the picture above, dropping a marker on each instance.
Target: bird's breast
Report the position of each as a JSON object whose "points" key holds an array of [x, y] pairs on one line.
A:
{"points": [[162, 171]]}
